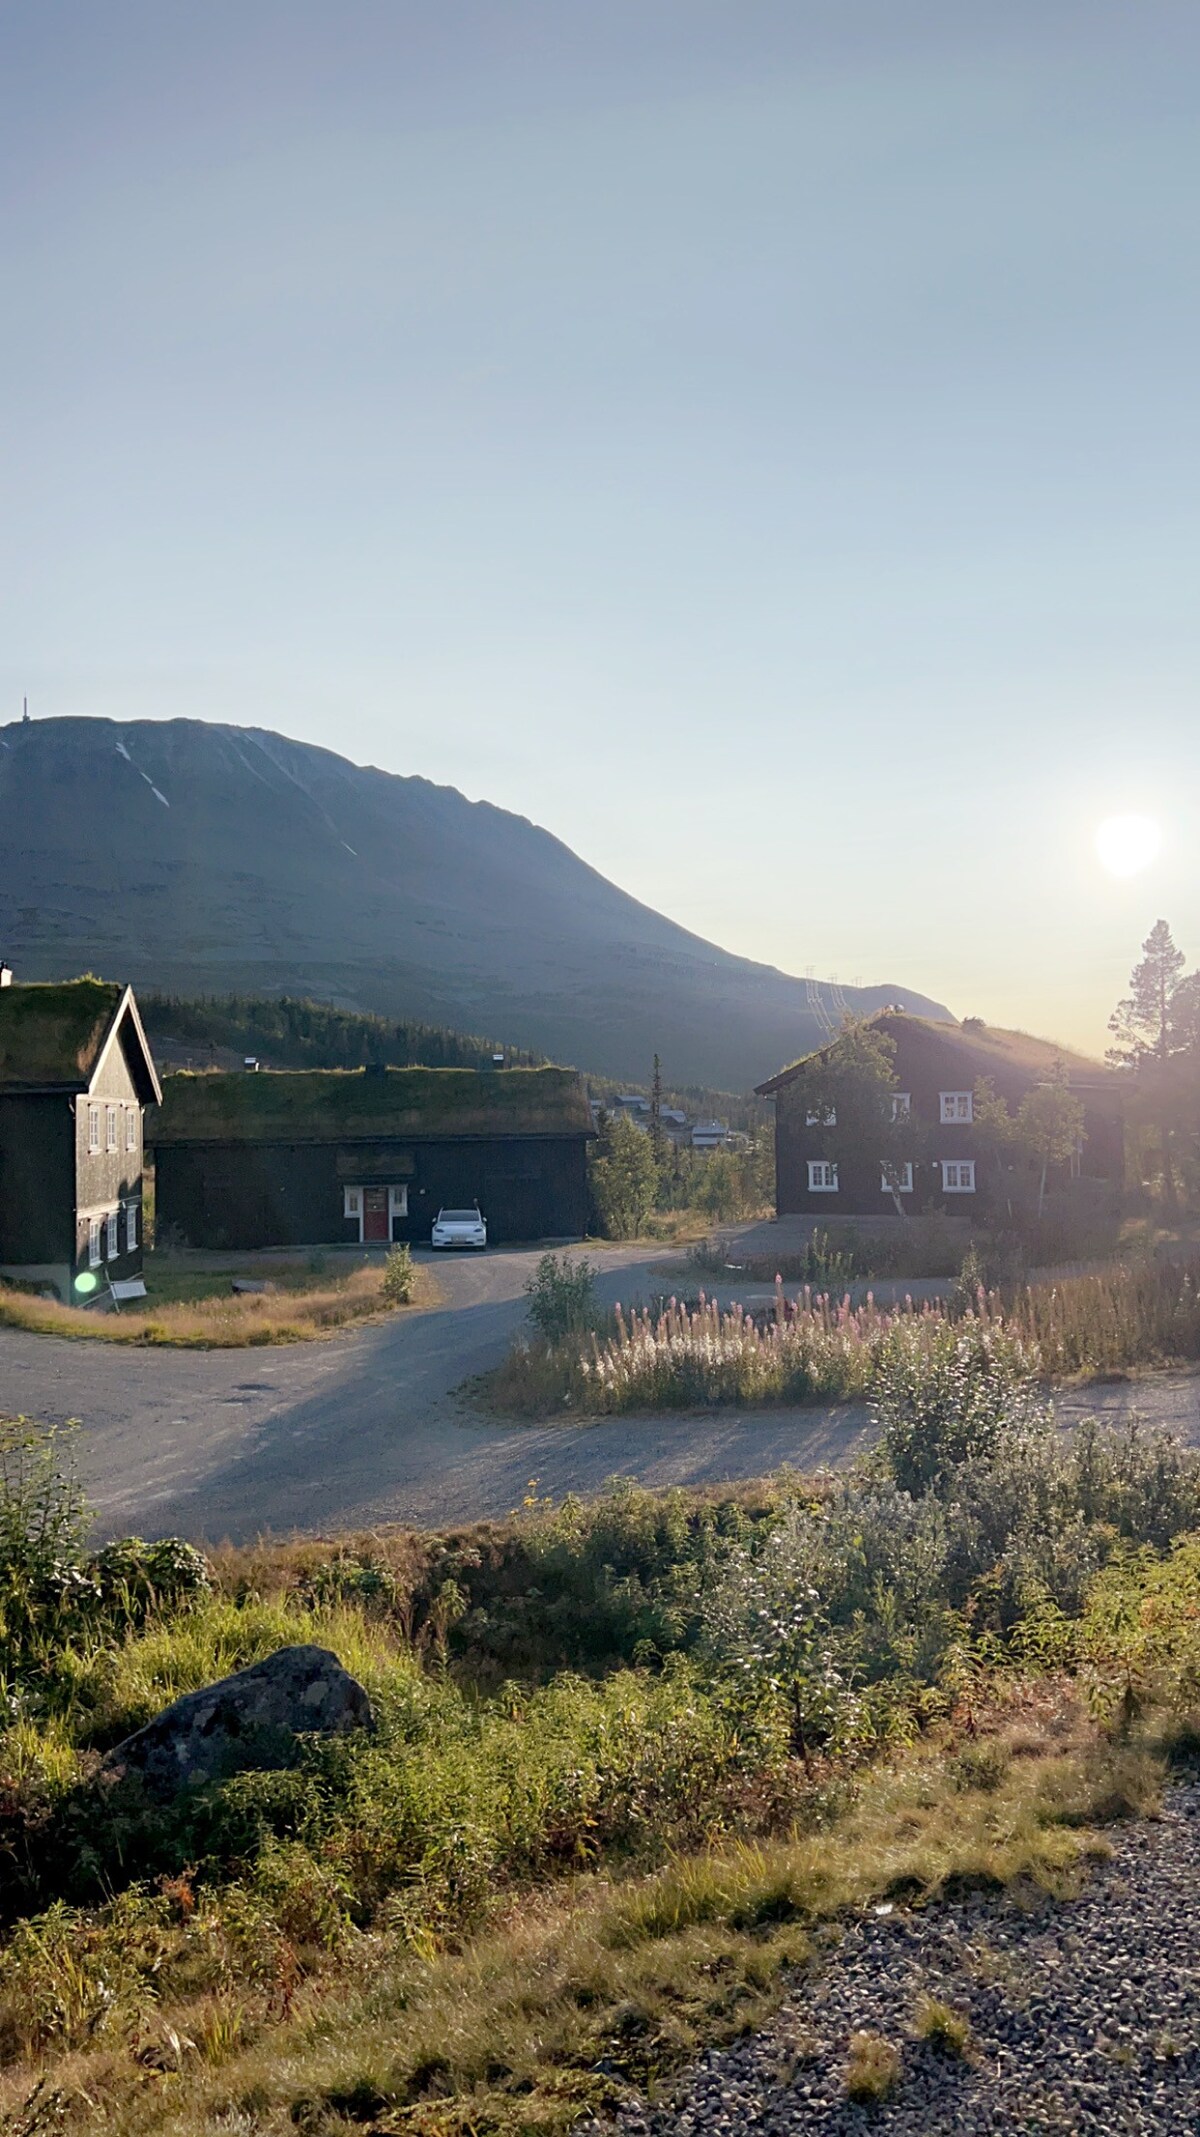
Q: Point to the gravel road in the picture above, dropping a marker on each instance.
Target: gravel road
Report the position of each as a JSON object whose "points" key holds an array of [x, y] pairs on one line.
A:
{"points": [[366, 1427], [1085, 2015]]}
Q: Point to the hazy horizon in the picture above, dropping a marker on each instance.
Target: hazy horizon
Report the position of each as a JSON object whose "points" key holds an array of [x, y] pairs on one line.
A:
{"points": [[757, 447]]}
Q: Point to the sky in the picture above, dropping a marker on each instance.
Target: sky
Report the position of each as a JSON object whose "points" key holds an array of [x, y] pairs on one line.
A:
{"points": [[757, 441]]}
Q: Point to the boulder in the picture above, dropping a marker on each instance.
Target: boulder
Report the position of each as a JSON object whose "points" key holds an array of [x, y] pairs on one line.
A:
{"points": [[250, 1719]]}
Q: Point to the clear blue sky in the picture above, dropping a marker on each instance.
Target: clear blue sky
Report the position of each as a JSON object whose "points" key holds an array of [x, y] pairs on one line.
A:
{"points": [[757, 441]]}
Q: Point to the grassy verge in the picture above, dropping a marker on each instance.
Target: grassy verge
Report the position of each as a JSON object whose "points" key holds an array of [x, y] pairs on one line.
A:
{"points": [[197, 1309], [815, 1348], [573, 1995], [633, 1761]]}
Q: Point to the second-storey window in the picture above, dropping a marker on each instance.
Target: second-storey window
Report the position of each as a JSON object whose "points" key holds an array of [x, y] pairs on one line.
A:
{"points": [[901, 1104], [898, 1182], [131, 1128], [956, 1105], [822, 1177], [111, 1127], [93, 1130], [821, 1117], [958, 1176]]}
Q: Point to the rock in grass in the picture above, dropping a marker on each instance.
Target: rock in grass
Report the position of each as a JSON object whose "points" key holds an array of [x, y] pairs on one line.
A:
{"points": [[250, 1719]]}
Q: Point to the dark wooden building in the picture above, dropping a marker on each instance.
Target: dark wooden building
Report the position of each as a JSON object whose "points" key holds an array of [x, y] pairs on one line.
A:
{"points": [[314, 1157], [75, 1076], [937, 1068]]}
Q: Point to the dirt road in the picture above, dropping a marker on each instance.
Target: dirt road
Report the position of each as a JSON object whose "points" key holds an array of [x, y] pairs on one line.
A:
{"points": [[366, 1428]]}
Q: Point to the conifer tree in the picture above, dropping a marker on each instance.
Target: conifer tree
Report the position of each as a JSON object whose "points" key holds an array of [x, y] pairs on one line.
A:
{"points": [[1143, 1028], [1141, 1024]]}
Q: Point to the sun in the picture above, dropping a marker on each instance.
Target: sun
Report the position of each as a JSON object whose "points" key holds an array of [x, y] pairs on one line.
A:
{"points": [[1128, 844]]}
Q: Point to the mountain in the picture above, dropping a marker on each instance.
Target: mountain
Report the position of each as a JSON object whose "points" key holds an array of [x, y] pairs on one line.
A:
{"points": [[199, 858]]}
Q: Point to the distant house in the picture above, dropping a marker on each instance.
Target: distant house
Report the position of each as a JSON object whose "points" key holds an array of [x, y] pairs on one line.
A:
{"points": [[710, 1134], [75, 1076], [937, 1067], [315, 1157]]}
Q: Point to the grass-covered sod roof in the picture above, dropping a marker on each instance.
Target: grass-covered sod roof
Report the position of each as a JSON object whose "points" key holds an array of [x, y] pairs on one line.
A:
{"points": [[982, 1049], [51, 1032], [334, 1105]]}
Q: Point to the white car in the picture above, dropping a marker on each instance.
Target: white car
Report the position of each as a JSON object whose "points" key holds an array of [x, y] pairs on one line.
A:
{"points": [[459, 1228]]}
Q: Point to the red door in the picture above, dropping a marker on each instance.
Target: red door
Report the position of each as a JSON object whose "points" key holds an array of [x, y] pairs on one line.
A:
{"points": [[375, 1213]]}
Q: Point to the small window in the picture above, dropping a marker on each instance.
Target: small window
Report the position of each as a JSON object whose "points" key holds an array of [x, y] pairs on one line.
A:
{"points": [[111, 1127], [958, 1176], [94, 1256], [822, 1177], [900, 1182], [352, 1202], [901, 1104], [93, 1130], [956, 1106], [131, 1128], [398, 1201], [821, 1117], [112, 1235], [131, 1226]]}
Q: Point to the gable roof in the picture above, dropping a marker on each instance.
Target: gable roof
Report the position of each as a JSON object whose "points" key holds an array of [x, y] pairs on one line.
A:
{"points": [[54, 1034], [339, 1105], [982, 1050]]}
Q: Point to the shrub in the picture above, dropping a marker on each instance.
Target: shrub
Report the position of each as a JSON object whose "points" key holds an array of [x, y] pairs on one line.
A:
{"points": [[939, 1403], [135, 1579], [562, 1297], [399, 1276], [44, 1591]]}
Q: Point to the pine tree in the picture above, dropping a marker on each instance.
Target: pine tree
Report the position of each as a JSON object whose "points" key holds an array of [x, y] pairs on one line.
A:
{"points": [[1143, 1027], [1142, 1023]]}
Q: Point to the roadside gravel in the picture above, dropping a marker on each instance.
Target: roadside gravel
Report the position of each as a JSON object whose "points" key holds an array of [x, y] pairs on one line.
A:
{"points": [[1085, 2015]]}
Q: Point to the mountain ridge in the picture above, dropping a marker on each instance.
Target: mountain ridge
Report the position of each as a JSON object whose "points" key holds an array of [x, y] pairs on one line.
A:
{"points": [[207, 857]]}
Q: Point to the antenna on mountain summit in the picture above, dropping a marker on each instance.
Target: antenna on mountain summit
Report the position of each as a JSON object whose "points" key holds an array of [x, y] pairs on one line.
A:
{"points": [[24, 711]]}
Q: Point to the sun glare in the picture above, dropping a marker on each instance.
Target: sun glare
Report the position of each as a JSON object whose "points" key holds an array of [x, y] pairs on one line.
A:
{"points": [[1127, 844]]}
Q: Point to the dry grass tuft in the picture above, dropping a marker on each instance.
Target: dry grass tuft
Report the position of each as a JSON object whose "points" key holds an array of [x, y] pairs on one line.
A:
{"points": [[944, 2028], [873, 2068]]}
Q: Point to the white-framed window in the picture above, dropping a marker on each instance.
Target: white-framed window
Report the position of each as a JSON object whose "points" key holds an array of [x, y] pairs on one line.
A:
{"points": [[110, 1124], [131, 1128], [821, 1117], [112, 1235], [93, 1130], [397, 1201], [901, 1104], [958, 1176], [900, 1182], [131, 1226], [822, 1177], [94, 1255], [352, 1202], [956, 1105]]}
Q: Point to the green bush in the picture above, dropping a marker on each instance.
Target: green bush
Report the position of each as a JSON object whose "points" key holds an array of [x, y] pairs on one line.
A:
{"points": [[562, 1297], [938, 1404], [399, 1276]]}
